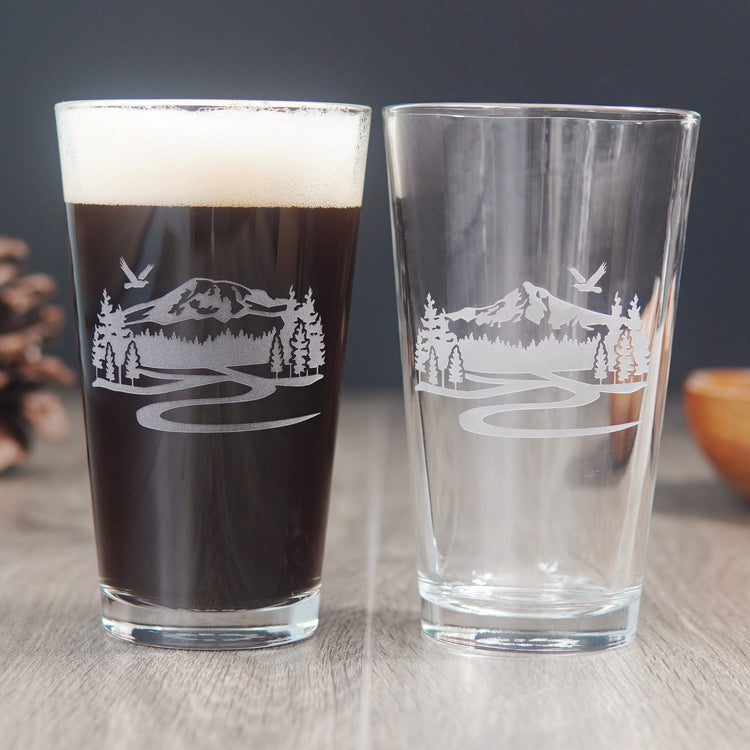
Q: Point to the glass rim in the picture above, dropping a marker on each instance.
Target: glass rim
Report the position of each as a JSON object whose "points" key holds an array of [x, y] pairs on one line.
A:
{"points": [[203, 105], [537, 111]]}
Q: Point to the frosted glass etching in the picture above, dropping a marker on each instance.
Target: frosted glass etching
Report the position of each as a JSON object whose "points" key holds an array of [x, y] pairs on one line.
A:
{"points": [[531, 340], [138, 350]]}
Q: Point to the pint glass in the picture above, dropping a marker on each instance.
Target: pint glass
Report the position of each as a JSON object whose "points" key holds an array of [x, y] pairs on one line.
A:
{"points": [[212, 247], [537, 253]]}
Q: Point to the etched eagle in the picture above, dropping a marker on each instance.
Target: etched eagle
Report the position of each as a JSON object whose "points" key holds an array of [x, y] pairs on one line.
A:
{"points": [[135, 282], [588, 285]]}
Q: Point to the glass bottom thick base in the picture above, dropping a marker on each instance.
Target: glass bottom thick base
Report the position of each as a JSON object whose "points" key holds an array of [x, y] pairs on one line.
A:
{"points": [[131, 619], [551, 627]]}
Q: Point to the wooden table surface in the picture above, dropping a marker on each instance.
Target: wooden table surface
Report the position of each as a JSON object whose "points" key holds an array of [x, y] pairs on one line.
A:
{"points": [[368, 678]]}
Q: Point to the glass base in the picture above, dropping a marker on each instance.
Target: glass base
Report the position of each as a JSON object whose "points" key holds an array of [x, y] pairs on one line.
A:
{"points": [[551, 629], [131, 619]]}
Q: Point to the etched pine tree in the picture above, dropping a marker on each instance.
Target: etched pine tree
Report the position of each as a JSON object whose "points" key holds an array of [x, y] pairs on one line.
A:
{"points": [[110, 368], [433, 334], [456, 372], [132, 365], [432, 367], [287, 330], [99, 345], [317, 343], [613, 334], [105, 308], [276, 360], [641, 351], [98, 350], [601, 366], [443, 339], [113, 328], [422, 347], [625, 363], [306, 308], [300, 347]]}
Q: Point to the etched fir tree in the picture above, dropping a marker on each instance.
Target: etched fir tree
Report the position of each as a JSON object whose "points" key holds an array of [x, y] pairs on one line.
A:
{"points": [[317, 343], [276, 360], [434, 334], [306, 308], [287, 330], [300, 346], [456, 372], [432, 368], [422, 347], [613, 334], [132, 364], [111, 331], [110, 368], [625, 364], [601, 366], [98, 350], [99, 344], [641, 351]]}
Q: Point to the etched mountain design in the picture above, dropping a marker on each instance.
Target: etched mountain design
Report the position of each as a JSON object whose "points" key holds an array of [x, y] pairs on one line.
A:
{"points": [[526, 341], [200, 298], [206, 333], [531, 303]]}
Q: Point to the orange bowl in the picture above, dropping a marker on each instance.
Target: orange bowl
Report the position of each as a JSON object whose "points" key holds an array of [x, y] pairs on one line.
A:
{"points": [[717, 403]]}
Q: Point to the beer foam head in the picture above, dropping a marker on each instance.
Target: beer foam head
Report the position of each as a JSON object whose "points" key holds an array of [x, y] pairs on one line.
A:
{"points": [[174, 153]]}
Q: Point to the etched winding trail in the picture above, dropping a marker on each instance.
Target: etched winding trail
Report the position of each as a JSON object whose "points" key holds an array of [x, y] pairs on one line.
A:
{"points": [[175, 382], [156, 416], [580, 394], [153, 415]]}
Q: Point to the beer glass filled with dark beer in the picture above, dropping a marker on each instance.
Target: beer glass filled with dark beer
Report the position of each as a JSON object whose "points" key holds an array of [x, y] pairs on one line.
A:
{"points": [[212, 248]]}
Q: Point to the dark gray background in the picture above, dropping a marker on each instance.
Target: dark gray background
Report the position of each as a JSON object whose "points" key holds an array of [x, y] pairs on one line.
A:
{"points": [[665, 53]]}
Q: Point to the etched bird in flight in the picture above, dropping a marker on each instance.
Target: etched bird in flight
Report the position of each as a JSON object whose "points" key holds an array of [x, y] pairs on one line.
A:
{"points": [[589, 285], [135, 282]]}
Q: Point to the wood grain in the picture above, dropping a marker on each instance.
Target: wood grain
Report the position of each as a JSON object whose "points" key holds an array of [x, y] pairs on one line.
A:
{"points": [[368, 678]]}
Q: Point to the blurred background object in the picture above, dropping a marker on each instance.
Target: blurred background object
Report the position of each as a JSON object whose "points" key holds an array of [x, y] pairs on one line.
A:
{"points": [[717, 403], [689, 54], [27, 321]]}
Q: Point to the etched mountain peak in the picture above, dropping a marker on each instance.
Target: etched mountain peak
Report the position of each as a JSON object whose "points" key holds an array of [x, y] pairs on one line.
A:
{"points": [[200, 298], [204, 333], [527, 341], [533, 303]]}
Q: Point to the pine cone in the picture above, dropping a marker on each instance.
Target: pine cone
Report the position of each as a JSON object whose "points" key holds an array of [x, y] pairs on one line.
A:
{"points": [[26, 322]]}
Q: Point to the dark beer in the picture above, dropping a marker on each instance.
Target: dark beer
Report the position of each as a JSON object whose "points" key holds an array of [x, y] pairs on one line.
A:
{"points": [[206, 520], [212, 247]]}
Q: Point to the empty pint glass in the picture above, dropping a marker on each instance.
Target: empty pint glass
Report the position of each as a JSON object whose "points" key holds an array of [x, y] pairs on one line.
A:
{"points": [[537, 253], [212, 247]]}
